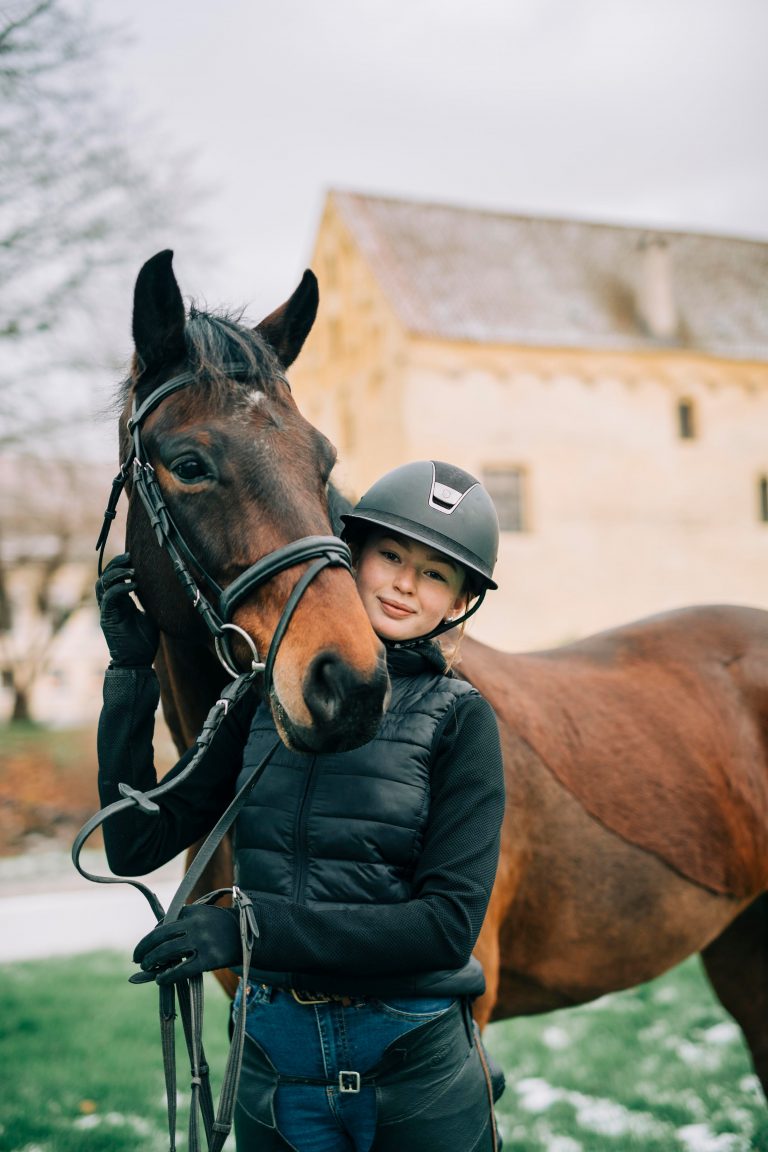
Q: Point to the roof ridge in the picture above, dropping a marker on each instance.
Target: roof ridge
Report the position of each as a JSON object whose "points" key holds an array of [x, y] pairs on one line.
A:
{"points": [[544, 218]]}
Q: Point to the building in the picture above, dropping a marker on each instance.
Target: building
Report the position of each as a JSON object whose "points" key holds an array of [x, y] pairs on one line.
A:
{"points": [[609, 384]]}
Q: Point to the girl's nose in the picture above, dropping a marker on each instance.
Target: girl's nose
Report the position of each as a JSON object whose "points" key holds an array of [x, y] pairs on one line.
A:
{"points": [[404, 578]]}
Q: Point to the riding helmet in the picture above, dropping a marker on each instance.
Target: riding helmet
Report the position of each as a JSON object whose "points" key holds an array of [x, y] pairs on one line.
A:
{"points": [[438, 504]]}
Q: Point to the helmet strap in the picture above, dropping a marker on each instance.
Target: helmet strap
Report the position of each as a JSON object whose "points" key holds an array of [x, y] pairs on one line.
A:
{"points": [[441, 628]]}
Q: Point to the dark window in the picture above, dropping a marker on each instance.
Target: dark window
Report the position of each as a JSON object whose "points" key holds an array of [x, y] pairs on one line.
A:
{"points": [[506, 487], [763, 498], [686, 420]]}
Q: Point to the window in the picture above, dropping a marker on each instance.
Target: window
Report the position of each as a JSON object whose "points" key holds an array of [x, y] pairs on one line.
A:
{"points": [[506, 487], [686, 420], [762, 497]]}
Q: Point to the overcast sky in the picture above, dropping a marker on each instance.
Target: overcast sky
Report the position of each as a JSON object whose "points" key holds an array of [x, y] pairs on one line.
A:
{"points": [[626, 111]]}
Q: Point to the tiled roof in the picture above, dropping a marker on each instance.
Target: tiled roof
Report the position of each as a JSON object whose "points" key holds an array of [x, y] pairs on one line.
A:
{"points": [[466, 274]]}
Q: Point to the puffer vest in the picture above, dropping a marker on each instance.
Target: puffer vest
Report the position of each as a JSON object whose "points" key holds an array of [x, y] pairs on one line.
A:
{"points": [[346, 829]]}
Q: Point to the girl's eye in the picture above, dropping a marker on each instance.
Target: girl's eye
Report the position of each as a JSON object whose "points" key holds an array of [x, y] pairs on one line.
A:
{"points": [[189, 470], [433, 575], [390, 555]]}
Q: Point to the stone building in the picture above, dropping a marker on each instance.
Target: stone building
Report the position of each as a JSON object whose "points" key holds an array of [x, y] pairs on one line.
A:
{"points": [[609, 384]]}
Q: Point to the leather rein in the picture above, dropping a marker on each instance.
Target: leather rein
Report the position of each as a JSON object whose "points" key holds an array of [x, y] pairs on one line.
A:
{"points": [[324, 551]]}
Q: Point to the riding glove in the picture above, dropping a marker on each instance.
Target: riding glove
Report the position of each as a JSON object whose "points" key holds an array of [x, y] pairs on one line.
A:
{"points": [[203, 938], [132, 636]]}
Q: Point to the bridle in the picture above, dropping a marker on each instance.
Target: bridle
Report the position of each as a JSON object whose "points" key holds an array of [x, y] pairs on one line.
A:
{"points": [[325, 551]]}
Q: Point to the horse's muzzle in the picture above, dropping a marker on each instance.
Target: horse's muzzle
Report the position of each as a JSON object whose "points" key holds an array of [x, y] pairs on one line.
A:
{"points": [[346, 708]]}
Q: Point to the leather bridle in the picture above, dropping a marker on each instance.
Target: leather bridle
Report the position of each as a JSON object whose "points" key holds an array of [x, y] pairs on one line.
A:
{"points": [[325, 551]]}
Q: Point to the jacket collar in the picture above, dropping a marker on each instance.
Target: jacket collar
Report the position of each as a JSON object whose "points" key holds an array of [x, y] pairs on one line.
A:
{"points": [[426, 656]]}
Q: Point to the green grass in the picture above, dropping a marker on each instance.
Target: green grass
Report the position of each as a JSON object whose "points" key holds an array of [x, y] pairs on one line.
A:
{"points": [[81, 1057], [661, 1068], [658, 1069]]}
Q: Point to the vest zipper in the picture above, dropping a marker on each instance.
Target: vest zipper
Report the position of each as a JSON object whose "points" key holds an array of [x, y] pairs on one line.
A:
{"points": [[300, 847]]}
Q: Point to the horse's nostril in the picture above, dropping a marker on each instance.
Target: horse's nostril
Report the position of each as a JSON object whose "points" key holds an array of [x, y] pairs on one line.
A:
{"points": [[338, 697], [328, 684]]}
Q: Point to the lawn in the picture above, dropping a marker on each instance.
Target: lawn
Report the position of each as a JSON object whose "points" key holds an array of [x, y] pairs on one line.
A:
{"points": [[657, 1069]]}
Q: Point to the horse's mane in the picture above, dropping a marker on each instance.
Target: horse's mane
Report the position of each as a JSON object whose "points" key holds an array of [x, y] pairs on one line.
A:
{"points": [[220, 346], [338, 504]]}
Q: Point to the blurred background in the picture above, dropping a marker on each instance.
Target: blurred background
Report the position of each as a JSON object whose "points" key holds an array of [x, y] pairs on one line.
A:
{"points": [[541, 234]]}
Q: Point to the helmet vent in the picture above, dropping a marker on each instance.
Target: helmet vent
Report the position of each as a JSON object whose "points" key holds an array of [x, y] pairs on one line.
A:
{"points": [[444, 495], [443, 498]]}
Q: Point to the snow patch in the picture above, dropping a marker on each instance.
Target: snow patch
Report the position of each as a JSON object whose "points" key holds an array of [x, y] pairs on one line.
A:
{"points": [[700, 1138], [556, 1038]]}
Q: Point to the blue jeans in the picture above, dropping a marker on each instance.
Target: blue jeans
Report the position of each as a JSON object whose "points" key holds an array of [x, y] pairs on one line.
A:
{"points": [[322, 1040]]}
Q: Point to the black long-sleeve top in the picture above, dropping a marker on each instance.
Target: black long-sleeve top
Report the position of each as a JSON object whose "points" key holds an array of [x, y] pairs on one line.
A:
{"points": [[435, 930]]}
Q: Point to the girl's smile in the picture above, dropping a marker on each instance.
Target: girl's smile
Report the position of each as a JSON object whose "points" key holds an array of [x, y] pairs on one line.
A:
{"points": [[407, 587]]}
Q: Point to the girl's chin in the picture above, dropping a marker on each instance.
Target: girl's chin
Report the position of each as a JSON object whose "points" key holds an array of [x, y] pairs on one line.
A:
{"points": [[393, 630]]}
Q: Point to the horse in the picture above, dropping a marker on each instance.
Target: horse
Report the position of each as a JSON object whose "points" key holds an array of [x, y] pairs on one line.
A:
{"points": [[636, 762], [235, 483], [636, 830]]}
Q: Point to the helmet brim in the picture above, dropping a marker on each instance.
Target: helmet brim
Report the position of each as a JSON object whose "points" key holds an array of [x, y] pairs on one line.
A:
{"points": [[424, 535]]}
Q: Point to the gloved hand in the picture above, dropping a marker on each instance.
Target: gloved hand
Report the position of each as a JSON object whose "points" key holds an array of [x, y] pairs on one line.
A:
{"points": [[203, 938], [131, 635]]}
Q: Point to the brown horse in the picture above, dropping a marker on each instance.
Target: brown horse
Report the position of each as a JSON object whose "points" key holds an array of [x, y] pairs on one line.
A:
{"points": [[637, 770], [636, 831], [236, 474]]}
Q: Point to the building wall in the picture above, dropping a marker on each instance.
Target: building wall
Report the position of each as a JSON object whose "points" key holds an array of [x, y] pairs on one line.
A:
{"points": [[350, 376], [624, 517]]}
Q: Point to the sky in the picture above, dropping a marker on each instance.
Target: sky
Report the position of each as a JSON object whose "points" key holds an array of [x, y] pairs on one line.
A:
{"points": [[624, 111]]}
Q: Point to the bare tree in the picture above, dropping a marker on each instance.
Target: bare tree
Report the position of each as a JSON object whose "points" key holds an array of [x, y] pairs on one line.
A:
{"points": [[83, 194], [49, 521]]}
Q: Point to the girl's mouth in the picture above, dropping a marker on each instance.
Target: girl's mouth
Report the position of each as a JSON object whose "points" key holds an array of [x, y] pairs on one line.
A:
{"points": [[394, 610]]}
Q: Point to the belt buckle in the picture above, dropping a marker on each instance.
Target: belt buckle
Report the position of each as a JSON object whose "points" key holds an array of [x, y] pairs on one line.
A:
{"points": [[349, 1081], [308, 997]]}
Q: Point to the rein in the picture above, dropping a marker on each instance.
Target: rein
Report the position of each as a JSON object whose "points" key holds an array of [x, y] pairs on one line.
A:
{"points": [[324, 551], [190, 992]]}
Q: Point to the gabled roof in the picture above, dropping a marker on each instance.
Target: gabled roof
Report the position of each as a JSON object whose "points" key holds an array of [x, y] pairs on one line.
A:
{"points": [[467, 274]]}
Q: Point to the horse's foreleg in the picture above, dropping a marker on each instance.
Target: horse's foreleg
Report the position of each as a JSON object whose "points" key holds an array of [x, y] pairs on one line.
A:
{"points": [[737, 966]]}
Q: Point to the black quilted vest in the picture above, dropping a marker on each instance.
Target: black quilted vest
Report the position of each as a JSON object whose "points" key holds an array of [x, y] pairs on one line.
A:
{"points": [[346, 829]]}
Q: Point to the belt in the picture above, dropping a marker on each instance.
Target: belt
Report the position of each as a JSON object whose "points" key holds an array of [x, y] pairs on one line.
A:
{"points": [[303, 997]]}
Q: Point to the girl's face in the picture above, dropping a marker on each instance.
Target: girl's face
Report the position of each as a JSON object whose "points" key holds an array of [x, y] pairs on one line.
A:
{"points": [[407, 588]]}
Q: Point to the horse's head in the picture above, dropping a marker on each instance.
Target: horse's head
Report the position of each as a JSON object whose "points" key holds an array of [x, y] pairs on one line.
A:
{"points": [[242, 474]]}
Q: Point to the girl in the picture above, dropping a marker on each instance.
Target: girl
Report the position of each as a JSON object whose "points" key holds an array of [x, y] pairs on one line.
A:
{"points": [[369, 871]]}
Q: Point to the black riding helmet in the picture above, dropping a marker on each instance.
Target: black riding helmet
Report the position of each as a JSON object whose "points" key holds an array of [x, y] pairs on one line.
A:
{"points": [[438, 504]]}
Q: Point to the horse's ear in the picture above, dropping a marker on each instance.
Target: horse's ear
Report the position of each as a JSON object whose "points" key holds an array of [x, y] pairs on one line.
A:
{"points": [[286, 329], [158, 313]]}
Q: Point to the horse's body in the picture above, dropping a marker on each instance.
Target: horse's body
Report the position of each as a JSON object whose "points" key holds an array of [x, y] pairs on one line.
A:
{"points": [[637, 770], [637, 814]]}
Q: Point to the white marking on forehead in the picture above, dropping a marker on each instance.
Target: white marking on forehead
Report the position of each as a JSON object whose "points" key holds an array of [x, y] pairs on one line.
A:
{"points": [[253, 399]]}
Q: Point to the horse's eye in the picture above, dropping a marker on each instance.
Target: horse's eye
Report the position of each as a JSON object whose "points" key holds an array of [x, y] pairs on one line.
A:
{"points": [[189, 470]]}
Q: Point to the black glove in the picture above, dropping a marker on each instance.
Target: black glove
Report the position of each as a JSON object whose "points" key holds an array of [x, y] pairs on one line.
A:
{"points": [[203, 938], [131, 635]]}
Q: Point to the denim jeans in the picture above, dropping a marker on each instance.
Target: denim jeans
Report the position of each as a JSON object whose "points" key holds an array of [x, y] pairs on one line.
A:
{"points": [[322, 1040]]}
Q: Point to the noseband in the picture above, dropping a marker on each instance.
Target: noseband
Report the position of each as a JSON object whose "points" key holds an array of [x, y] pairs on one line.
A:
{"points": [[325, 551]]}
